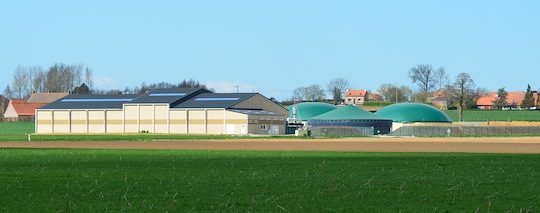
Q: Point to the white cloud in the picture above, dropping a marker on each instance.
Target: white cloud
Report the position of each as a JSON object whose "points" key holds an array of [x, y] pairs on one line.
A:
{"points": [[230, 86], [105, 82]]}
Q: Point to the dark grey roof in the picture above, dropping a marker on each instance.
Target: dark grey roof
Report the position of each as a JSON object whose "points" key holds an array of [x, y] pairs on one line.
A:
{"points": [[74, 101], [214, 100], [169, 96], [252, 112]]}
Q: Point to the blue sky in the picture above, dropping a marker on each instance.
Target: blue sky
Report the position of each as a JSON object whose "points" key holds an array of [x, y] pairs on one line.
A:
{"points": [[273, 47]]}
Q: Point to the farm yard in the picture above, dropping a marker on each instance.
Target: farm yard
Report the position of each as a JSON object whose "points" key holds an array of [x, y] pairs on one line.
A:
{"points": [[142, 180]]}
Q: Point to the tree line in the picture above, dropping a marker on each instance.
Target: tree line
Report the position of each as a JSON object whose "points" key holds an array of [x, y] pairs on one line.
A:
{"points": [[75, 79], [57, 78], [145, 87], [460, 91], [315, 92]]}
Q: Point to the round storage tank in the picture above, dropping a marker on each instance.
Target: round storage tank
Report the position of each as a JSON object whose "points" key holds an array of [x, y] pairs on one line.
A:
{"points": [[413, 112], [306, 110], [352, 116]]}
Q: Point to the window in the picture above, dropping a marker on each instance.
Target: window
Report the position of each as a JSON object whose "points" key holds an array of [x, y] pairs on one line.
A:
{"points": [[263, 127], [96, 100], [217, 99], [167, 94]]}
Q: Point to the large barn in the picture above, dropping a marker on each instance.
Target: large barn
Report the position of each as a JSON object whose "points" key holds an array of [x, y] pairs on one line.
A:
{"points": [[169, 111]]}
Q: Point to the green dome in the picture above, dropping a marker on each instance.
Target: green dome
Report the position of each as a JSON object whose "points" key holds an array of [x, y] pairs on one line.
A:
{"points": [[307, 110], [413, 112], [348, 112]]}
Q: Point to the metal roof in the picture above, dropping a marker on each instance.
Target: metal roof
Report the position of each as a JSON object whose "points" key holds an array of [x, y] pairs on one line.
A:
{"points": [[413, 112], [252, 112], [348, 112], [76, 101], [169, 96], [46, 98], [214, 100], [176, 98]]}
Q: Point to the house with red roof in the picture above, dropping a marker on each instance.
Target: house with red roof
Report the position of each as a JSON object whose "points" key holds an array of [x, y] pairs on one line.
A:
{"points": [[439, 100], [24, 110], [513, 99], [356, 97], [20, 110]]}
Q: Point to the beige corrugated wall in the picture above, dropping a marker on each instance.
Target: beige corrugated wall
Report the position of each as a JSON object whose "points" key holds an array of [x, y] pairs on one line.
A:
{"points": [[115, 121], [178, 122], [131, 123], [96, 121], [78, 121], [44, 122], [61, 121], [155, 119], [161, 119]]}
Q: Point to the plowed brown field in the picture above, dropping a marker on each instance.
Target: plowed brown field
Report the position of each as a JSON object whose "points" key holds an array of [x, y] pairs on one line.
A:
{"points": [[467, 145]]}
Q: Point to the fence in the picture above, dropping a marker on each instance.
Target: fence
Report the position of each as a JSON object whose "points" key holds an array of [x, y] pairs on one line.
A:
{"points": [[464, 131], [341, 131]]}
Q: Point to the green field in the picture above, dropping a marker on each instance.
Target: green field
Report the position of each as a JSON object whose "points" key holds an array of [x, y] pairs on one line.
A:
{"points": [[242, 181], [15, 131], [495, 115], [18, 131]]}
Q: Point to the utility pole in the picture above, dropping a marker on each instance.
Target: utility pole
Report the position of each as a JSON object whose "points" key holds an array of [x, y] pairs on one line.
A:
{"points": [[237, 90], [396, 95]]}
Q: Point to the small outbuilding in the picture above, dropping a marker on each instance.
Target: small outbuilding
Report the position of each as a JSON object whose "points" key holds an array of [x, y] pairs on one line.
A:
{"points": [[351, 116]]}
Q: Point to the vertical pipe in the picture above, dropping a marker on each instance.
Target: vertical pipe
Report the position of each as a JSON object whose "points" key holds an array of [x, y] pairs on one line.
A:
{"points": [[69, 120], [187, 121], [35, 121], [105, 119], [205, 121], [124, 119], [168, 119], [87, 122], [153, 118], [52, 121]]}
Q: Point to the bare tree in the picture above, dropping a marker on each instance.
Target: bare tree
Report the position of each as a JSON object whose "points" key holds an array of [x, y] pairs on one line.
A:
{"points": [[63, 78], [21, 82], [89, 78], [442, 80], [299, 94], [395, 93], [423, 76], [337, 88], [463, 91], [8, 93], [315, 92], [38, 78]]}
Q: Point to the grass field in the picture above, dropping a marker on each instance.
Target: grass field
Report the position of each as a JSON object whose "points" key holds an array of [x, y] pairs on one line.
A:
{"points": [[18, 131], [15, 131], [495, 115], [129, 180]]}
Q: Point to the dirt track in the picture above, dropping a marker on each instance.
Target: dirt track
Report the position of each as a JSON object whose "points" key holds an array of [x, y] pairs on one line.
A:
{"points": [[470, 145]]}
